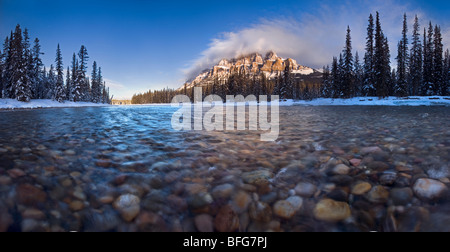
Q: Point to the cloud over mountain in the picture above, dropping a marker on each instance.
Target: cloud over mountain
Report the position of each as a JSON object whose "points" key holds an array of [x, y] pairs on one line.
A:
{"points": [[312, 39]]}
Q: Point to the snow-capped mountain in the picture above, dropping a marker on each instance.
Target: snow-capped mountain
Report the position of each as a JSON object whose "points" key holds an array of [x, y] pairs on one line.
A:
{"points": [[254, 64]]}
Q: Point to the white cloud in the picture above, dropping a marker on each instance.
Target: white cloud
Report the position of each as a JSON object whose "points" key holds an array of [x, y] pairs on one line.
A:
{"points": [[314, 38]]}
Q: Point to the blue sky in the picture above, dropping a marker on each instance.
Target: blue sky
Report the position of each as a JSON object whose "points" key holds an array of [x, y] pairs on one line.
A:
{"points": [[145, 45]]}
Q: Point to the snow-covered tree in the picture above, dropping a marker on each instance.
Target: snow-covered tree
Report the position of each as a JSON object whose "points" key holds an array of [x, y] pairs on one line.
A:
{"points": [[27, 64], [36, 70], [68, 84], [100, 84], [81, 82], [75, 90], [401, 88], [416, 60], [59, 92], [5, 65], [50, 83], [95, 84], [20, 87]]}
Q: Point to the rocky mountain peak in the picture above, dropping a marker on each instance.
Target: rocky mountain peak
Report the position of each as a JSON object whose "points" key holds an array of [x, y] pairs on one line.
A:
{"points": [[272, 56], [252, 64]]}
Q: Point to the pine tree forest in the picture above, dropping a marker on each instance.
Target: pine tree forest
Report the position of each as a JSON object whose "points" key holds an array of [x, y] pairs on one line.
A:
{"points": [[24, 77], [422, 67]]}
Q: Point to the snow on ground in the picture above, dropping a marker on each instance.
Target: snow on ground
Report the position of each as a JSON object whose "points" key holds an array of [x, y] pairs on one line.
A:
{"points": [[45, 103], [375, 101], [357, 101], [363, 101]]}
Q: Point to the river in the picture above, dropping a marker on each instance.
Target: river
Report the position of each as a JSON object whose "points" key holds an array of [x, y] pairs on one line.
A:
{"points": [[346, 168]]}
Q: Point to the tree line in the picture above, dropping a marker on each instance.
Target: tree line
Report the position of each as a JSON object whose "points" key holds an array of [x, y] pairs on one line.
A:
{"points": [[285, 84], [23, 76], [423, 70]]}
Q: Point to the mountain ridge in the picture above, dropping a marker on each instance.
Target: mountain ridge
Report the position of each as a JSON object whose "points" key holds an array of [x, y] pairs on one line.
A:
{"points": [[252, 64]]}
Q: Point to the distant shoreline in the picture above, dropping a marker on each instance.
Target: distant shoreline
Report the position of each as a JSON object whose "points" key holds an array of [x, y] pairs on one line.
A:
{"points": [[356, 101], [13, 105]]}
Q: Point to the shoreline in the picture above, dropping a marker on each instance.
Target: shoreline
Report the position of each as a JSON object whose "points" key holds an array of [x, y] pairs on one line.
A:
{"points": [[356, 101], [14, 105]]}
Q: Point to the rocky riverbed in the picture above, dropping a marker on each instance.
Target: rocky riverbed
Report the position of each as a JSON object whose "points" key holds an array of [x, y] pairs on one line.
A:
{"points": [[125, 169]]}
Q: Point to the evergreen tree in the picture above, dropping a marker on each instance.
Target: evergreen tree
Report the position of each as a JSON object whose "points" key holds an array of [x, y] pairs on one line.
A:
{"points": [[286, 83], [416, 60], [326, 83], [100, 84], [347, 86], [27, 67], [59, 93], [393, 81], [6, 66], [359, 75], [95, 87], [1, 73], [36, 70], [369, 76], [389, 83], [75, 92], [438, 67], [339, 83], [81, 88], [334, 78], [381, 61], [401, 88], [20, 88], [50, 83], [447, 73], [378, 58], [428, 85], [68, 84]]}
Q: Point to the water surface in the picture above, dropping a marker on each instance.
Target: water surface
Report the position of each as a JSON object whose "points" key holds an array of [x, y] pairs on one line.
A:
{"points": [[126, 169]]}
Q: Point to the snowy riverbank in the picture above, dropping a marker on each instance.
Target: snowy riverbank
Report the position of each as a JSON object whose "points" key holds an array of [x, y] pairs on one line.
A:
{"points": [[375, 101], [45, 103], [357, 101]]}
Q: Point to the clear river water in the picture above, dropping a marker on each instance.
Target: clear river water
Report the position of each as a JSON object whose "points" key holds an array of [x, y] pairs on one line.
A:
{"points": [[355, 168]]}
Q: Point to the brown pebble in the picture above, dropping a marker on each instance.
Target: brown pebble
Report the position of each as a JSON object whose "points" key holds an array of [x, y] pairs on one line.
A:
{"points": [[16, 173], [32, 213], [30, 195], [5, 180], [226, 220], [76, 205], [106, 199], [204, 223]]}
